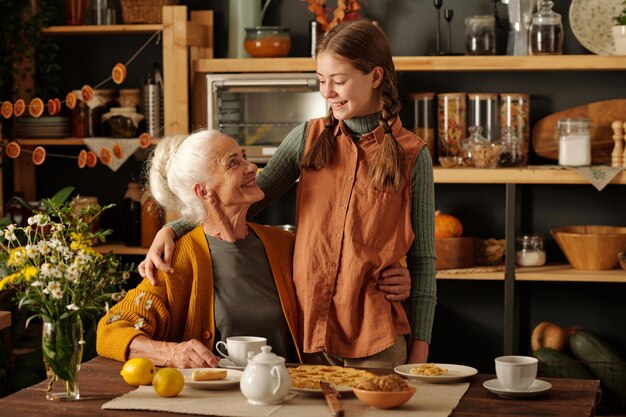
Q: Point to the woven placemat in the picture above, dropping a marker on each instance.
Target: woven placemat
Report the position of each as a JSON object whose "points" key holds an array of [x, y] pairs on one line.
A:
{"points": [[491, 268]]}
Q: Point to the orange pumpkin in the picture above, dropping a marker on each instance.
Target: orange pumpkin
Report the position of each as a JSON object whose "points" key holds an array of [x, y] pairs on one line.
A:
{"points": [[549, 335], [447, 226]]}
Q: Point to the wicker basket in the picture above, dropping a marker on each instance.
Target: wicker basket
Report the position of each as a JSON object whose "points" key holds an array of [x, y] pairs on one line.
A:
{"points": [[144, 11], [611, 402]]}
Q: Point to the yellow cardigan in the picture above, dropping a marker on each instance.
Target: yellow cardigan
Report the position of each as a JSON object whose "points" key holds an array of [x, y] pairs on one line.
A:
{"points": [[181, 306]]}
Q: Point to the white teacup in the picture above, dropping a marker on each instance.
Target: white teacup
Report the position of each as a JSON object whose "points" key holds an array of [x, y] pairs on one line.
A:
{"points": [[239, 346], [516, 373]]}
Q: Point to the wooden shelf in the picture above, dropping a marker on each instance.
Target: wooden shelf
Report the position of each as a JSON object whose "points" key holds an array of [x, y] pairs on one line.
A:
{"points": [[565, 273], [549, 273], [428, 63], [546, 174], [119, 248], [102, 29], [67, 141]]}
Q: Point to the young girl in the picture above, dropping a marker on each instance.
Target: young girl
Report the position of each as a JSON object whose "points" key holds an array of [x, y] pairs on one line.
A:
{"points": [[365, 199]]}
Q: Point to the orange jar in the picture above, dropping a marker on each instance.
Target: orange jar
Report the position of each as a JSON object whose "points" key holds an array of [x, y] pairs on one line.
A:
{"points": [[267, 41]]}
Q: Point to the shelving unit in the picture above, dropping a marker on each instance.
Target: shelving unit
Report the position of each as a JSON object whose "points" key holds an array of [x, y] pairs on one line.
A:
{"points": [[509, 177], [183, 40]]}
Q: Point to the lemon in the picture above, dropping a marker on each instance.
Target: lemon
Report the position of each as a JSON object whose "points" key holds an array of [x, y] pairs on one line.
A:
{"points": [[138, 371], [168, 382]]}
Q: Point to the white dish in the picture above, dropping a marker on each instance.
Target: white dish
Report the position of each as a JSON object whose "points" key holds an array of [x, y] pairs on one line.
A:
{"points": [[536, 388], [310, 392], [591, 22], [455, 373], [228, 364], [232, 379]]}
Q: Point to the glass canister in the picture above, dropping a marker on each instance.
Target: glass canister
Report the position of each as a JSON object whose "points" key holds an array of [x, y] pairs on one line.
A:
{"points": [[424, 118], [515, 114], [267, 41], [480, 35], [451, 123], [530, 251], [86, 117], [546, 31], [483, 112], [513, 154], [574, 142]]}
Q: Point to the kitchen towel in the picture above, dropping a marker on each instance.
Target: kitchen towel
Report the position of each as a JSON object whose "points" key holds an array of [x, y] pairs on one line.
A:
{"points": [[430, 400], [598, 175], [119, 150]]}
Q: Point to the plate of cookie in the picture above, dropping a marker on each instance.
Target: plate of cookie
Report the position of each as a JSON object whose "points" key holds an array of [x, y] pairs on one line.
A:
{"points": [[211, 378], [305, 379], [435, 373]]}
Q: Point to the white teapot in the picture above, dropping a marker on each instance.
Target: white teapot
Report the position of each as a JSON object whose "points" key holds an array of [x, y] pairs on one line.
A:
{"points": [[265, 380]]}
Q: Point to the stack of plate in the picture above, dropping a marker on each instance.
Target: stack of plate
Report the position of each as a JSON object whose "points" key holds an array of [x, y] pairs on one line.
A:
{"points": [[43, 127]]}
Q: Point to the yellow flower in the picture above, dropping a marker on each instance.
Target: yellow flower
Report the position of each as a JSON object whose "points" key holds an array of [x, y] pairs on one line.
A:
{"points": [[29, 273], [17, 257], [9, 279]]}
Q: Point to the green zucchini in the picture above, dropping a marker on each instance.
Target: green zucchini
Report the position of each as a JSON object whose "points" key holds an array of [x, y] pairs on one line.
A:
{"points": [[604, 361], [556, 364]]}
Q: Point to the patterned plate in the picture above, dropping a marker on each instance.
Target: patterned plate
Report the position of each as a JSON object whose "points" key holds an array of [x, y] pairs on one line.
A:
{"points": [[591, 22]]}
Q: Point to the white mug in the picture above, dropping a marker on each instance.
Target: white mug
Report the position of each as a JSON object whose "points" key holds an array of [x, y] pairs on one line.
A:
{"points": [[516, 373], [239, 346]]}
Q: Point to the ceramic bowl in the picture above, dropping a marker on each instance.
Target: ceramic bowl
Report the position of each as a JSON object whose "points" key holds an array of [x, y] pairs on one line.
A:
{"points": [[591, 248], [384, 399]]}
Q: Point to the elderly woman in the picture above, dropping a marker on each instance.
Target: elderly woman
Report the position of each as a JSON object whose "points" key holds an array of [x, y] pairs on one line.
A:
{"points": [[230, 278]]}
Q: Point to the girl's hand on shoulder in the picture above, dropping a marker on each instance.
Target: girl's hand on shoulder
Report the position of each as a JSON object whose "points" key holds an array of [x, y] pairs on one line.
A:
{"points": [[396, 282], [159, 255]]}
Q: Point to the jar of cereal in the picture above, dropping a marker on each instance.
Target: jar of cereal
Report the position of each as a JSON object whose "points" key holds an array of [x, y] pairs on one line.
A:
{"points": [[424, 118], [451, 123], [515, 115]]}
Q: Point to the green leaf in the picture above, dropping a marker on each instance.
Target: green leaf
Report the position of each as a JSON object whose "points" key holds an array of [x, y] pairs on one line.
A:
{"points": [[63, 195]]}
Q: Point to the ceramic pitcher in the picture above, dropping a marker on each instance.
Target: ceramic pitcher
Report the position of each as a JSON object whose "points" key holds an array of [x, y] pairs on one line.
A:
{"points": [[243, 14]]}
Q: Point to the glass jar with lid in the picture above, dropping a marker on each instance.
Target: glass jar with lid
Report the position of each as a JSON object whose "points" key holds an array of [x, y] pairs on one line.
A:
{"points": [[483, 112], [574, 142], [546, 31], [530, 250], [422, 106], [515, 114], [480, 35], [513, 154], [483, 152], [451, 123], [267, 41]]}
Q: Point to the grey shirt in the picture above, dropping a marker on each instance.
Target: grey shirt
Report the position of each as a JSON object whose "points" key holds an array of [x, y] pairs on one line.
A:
{"points": [[246, 298]]}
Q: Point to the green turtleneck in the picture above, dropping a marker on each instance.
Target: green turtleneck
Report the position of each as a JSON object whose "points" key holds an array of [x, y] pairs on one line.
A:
{"points": [[283, 170]]}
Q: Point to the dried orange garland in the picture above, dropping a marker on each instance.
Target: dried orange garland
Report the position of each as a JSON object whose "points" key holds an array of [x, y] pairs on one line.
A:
{"points": [[36, 108], [346, 10]]}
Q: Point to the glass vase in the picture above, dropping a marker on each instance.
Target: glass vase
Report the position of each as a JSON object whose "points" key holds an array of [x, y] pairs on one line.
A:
{"points": [[62, 346]]}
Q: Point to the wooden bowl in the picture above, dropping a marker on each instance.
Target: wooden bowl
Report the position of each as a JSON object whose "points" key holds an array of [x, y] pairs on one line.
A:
{"points": [[591, 248], [384, 399], [454, 252]]}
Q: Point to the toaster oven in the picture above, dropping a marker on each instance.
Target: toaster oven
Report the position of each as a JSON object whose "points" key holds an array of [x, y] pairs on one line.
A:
{"points": [[259, 110]]}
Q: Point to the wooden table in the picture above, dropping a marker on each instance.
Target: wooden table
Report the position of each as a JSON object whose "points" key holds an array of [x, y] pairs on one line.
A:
{"points": [[100, 382]]}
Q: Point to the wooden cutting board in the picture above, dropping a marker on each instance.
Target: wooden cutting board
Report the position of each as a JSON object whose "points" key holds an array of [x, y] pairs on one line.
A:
{"points": [[601, 115]]}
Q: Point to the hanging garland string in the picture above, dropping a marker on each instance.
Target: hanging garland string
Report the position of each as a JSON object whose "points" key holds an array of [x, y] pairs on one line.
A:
{"points": [[36, 108]]}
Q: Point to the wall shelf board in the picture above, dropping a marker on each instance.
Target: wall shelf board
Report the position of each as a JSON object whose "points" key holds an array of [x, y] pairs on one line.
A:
{"points": [[565, 273], [102, 29]]}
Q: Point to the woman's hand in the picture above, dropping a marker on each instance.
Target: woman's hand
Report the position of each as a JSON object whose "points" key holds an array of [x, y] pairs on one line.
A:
{"points": [[190, 354], [396, 282], [159, 255]]}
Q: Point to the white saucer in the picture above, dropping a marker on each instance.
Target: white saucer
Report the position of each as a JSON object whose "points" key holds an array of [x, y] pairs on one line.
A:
{"points": [[536, 388], [227, 363]]}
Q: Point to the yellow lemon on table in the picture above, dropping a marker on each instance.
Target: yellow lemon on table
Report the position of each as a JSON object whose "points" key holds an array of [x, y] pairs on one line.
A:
{"points": [[168, 382], [138, 371]]}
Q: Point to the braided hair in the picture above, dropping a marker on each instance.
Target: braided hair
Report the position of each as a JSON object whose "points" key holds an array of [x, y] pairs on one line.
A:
{"points": [[365, 46]]}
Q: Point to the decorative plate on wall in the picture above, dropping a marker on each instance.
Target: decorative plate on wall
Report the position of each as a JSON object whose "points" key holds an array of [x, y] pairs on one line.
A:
{"points": [[591, 22]]}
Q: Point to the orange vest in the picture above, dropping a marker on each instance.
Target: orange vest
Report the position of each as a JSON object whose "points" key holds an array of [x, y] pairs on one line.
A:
{"points": [[347, 234]]}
